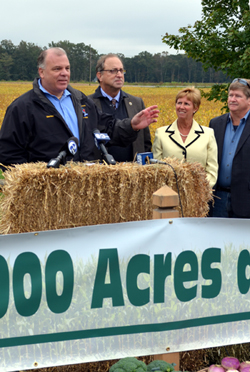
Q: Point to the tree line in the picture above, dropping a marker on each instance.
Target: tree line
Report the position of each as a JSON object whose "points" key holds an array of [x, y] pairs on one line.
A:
{"points": [[220, 40], [19, 62]]}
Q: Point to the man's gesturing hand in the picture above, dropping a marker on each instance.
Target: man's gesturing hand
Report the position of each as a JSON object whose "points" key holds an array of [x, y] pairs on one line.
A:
{"points": [[145, 117]]}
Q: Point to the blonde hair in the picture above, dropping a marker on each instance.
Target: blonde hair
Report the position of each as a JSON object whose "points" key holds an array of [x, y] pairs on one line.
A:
{"points": [[193, 94]]}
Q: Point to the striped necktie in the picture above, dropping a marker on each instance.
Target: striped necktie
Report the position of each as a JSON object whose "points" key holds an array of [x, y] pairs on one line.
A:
{"points": [[114, 103]]}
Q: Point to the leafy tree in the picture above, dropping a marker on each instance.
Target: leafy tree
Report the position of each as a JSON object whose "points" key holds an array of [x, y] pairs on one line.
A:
{"points": [[20, 63], [143, 62], [160, 66], [25, 57], [82, 57], [6, 62], [221, 40], [7, 46]]}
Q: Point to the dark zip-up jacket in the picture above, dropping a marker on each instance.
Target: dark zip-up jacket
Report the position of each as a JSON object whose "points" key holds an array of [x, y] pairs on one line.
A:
{"points": [[33, 130]]}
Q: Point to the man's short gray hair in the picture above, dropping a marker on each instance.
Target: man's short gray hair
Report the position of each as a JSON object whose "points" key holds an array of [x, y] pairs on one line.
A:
{"points": [[101, 61], [42, 57]]}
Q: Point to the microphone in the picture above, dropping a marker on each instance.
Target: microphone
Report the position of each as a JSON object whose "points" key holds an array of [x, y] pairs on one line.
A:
{"points": [[155, 161], [143, 157], [68, 149], [100, 141]]}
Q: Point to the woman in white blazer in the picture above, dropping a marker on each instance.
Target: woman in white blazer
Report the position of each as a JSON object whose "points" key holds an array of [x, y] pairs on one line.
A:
{"points": [[185, 138]]}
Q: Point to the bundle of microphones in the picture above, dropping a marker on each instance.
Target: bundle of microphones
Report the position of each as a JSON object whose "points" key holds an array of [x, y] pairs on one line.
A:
{"points": [[70, 148], [100, 141]]}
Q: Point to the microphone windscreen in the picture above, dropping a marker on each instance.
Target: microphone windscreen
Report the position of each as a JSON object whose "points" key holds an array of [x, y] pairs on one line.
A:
{"points": [[72, 145]]}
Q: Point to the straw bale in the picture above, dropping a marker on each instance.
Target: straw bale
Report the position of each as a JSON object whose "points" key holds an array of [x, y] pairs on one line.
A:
{"points": [[37, 198]]}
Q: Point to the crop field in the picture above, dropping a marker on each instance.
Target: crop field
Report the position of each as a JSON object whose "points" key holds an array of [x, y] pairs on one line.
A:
{"points": [[161, 96]]}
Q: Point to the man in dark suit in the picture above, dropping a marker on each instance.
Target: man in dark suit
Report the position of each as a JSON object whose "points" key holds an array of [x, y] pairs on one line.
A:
{"points": [[109, 98], [232, 133]]}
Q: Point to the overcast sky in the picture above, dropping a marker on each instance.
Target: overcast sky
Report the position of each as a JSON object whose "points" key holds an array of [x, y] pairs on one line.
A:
{"points": [[127, 27]]}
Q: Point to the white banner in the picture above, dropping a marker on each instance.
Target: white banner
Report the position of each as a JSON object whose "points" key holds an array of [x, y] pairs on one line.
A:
{"points": [[110, 291]]}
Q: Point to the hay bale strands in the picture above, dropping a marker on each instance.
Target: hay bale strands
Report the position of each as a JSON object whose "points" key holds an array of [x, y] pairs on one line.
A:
{"points": [[36, 198]]}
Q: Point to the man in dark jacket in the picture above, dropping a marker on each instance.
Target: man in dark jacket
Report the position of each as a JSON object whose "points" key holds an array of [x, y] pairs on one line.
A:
{"points": [[110, 74], [232, 133], [39, 123]]}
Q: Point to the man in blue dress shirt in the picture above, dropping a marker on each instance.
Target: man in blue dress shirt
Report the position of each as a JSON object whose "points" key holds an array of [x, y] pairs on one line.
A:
{"points": [[232, 133]]}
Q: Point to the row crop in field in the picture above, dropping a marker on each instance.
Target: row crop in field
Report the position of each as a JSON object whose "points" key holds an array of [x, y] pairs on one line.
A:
{"points": [[161, 96]]}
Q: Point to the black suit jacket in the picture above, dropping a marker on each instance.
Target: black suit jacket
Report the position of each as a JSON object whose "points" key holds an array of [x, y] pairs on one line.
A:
{"points": [[240, 184], [133, 106]]}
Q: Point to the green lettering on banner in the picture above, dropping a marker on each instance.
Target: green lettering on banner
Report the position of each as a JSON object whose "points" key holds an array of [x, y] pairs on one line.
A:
{"points": [[210, 256], [27, 263], [4, 286], [137, 265], [243, 262], [180, 276], [162, 269], [107, 258], [59, 261]]}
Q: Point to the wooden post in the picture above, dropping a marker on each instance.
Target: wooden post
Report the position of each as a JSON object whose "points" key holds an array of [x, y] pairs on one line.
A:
{"points": [[165, 201]]}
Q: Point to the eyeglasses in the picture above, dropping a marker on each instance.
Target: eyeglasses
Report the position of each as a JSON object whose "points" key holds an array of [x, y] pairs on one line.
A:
{"points": [[115, 71], [241, 81]]}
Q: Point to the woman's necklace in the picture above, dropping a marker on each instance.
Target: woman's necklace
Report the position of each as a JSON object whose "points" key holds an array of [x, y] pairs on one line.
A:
{"points": [[183, 135]]}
